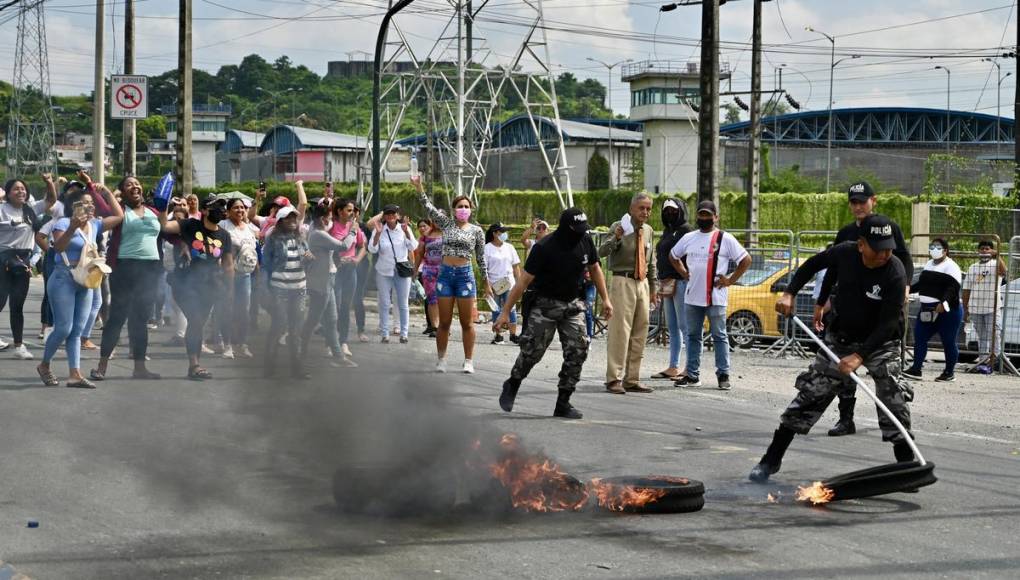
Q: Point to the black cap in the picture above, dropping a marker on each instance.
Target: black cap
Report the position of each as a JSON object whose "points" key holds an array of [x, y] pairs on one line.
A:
{"points": [[574, 219], [497, 227], [391, 208], [709, 206], [212, 200], [878, 231], [860, 191]]}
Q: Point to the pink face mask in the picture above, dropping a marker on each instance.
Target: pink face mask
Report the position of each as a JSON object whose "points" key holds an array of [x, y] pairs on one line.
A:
{"points": [[462, 213]]}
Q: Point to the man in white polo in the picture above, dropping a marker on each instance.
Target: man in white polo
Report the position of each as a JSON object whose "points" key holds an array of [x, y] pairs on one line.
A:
{"points": [[708, 252]]}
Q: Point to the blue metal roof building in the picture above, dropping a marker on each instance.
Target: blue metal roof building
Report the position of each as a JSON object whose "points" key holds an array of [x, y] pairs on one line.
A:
{"points": [[880, 126]]}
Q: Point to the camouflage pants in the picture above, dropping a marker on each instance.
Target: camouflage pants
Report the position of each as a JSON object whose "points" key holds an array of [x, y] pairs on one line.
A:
{"points": [[822, 381], [544, 318]]}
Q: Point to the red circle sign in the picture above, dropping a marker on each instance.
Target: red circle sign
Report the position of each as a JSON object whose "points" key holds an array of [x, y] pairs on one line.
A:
{"points": [[129, 97]]}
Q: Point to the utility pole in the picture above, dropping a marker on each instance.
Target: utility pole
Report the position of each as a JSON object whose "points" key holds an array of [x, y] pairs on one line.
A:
{"points": [[708, 116], [129, 69], [753, 142], [184, 167], [612, 115], [99, 101], [1016, 142]]}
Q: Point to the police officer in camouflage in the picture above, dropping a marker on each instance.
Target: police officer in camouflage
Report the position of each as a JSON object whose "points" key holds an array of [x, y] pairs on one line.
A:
{"points": [[551, 286], [865, 330]]}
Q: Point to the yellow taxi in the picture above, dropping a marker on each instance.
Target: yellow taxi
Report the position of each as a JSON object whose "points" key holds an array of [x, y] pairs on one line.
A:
{"points": [[751, 306]]}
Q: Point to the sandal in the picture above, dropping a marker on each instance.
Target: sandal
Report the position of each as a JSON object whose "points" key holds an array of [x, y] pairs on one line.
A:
{"points": [[197, 373], [47, 376], [95, 375], [665, 375], [146, 375], [82, 384]]}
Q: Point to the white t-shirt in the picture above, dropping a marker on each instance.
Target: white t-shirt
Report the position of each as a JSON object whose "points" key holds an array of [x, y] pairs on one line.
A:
{"points": [[500, 261], [982, 281], [701, 290]]}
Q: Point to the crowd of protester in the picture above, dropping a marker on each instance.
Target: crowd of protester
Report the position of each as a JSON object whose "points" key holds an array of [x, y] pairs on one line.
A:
{"points": [[206, 268]]}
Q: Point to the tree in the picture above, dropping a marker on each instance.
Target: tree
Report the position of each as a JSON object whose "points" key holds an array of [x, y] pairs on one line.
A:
{"points": [[153, 127], [598, 172], [732, 113]]}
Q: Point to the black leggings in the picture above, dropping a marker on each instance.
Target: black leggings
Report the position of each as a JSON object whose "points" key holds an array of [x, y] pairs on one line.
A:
{"points": [[132, 291], [14, 287], [195, 294], [286, 313]]}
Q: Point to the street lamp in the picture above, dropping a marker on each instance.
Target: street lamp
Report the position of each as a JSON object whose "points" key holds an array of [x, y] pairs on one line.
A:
{"points": [[612, 115], [998, 101], [949, 132], [832, 69]]}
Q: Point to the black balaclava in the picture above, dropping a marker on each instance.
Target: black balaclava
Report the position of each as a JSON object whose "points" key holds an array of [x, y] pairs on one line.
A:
{"points": [[565, 233], [673, 219]]}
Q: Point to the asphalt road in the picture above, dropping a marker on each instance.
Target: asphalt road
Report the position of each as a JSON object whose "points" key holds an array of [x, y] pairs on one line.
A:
{"points": [[232, 478]]}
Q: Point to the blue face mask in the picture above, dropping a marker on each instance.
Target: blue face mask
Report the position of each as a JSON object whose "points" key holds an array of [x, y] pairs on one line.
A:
{"points": [[503, 236]]}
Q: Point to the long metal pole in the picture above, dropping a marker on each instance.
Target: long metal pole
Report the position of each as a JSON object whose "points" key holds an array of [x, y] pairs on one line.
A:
{"points": [[609, 97], [864, 387], [460, 99], [380, 43], [99, 100], [130, 138], [949, 127], [708, 115], [828, 145]]}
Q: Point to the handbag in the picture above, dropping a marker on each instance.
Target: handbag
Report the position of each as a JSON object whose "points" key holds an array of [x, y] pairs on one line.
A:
{"points": [[404, 268], [502, 286], [667, 287], [91, 267]]}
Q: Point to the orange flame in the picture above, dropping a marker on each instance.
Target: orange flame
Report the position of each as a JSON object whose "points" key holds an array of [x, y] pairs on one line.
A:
{"points": [[771, 498], [617, 498], [816, 493], [536, 483]]}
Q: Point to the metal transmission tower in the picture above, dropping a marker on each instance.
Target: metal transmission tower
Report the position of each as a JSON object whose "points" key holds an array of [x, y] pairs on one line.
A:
{"points": [[30, 135], [461, 82]]}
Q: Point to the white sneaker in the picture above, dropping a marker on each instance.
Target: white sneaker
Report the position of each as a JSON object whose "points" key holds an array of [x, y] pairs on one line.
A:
{"points": [[441, 365], [244, 351], [228, 352], [469, 367], [283, 339], [207, 350], [4, 345], [345, 350], [22, 353]]}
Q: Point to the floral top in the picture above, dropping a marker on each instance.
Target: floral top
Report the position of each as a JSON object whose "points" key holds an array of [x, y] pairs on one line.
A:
{"points": [[458, 242]]}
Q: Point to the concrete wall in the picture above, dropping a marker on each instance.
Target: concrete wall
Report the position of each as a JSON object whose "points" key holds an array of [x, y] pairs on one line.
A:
{"points": [[671, 156], [900, 168], [203, 157], [525, 168]]}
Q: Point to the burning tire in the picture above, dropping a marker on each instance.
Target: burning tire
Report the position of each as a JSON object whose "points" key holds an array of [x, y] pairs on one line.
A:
{"points": [[889, 478], [653, 494]]}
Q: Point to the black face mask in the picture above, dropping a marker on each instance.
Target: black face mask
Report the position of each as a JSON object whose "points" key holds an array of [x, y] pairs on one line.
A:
{"points": [[705, 224]]}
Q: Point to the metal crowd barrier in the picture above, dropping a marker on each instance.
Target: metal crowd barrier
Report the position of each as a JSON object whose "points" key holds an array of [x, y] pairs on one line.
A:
{"points": [[963, 250]]}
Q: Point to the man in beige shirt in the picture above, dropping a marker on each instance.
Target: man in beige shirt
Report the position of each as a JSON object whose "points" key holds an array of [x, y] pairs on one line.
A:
{"points": [[632, 291]]}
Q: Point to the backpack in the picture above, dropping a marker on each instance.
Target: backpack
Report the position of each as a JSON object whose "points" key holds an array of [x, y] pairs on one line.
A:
{"points": [[91, 267]]}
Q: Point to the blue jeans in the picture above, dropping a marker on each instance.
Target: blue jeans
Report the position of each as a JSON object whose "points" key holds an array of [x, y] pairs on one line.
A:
{"points": [[589, 309], [232, 314], [695, 328], [345, 284], [501, 301], [71, 305], [676, 321], [947, 326], [386, 285], [321, 311], [90, 322], [456, 282]]}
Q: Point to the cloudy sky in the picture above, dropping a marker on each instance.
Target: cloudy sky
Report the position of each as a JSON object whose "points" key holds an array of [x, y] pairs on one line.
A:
{"points": [[898, 42]]}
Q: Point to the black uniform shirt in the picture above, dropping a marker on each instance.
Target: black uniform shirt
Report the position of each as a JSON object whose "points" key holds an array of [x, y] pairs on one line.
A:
{"points": [[558, 267], [869, 305], [850, 233]]}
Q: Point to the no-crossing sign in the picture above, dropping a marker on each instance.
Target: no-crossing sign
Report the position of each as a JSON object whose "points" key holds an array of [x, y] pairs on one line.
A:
{"points": [[130, 97]]}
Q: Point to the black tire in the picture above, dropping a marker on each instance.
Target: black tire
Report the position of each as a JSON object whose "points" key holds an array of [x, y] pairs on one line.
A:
{"points": [[888, 478], [682, 495], [743, 328]]}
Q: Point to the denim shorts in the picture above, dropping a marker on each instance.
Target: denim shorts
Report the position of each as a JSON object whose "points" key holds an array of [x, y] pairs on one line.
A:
{"points": [[455, 282]]}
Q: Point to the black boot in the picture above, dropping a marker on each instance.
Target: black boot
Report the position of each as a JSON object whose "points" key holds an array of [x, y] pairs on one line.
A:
{"points": [[509, 394], [845, 425], [773, 458], [563, 407], [903, 452]]}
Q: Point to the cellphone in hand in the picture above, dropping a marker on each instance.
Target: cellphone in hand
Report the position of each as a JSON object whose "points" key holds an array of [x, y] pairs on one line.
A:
{"points": [[262, 185], [79, 210]]}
